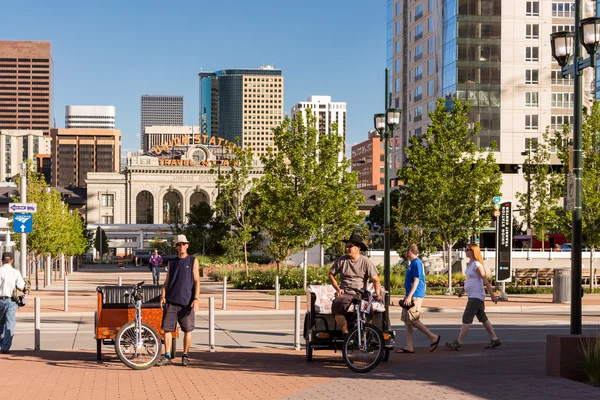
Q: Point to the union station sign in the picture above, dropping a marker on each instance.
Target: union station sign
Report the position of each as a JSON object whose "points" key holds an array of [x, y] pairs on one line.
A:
{"points": [[186, 140]]}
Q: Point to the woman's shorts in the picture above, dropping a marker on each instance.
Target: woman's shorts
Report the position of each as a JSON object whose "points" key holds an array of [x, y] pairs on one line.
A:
{"points": [[475, 307]]}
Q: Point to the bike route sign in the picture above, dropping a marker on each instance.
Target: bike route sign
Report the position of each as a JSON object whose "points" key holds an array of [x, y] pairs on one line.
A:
{"points": [[22, 207]]}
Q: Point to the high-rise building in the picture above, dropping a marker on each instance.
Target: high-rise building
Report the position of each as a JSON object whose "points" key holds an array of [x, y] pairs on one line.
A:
{"points": [[76, 152], [90, 117], [494, 54], [326, 113], [17, 146], [368, 162], [25, 85], [242, 106], [160, 110]]}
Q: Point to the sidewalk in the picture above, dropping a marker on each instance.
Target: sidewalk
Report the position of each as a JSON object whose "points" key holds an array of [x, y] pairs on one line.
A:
{"points": [[509, 372], [82, 296]]}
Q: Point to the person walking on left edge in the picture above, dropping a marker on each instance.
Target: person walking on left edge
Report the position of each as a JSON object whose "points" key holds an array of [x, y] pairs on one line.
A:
{"points": [[10, 278], [414, 285], [155, 263], [474, 283], [180, 300]]}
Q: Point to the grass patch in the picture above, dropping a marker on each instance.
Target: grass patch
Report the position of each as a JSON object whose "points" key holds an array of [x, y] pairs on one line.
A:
{"points": [[590, 359]]}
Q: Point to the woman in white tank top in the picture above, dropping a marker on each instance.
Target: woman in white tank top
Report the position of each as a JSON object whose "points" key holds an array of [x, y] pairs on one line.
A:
{"points": [[474, 286]]}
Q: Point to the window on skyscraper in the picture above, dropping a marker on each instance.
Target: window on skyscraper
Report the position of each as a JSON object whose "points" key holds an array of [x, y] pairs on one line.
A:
{"points": [[532, 8], [531, 77], [532, 31]]}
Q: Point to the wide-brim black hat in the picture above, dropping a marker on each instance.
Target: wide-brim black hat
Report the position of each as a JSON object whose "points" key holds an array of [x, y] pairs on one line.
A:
{"points": [[357, 240]]}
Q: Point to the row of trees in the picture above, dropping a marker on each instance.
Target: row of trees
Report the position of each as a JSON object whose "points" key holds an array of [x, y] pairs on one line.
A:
{"points": [[547, 181], [305, 196], [56, 230]]}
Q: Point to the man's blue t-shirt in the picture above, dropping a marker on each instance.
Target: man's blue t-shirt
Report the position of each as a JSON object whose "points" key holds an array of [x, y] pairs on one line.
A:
{"points": [[415, 270]]}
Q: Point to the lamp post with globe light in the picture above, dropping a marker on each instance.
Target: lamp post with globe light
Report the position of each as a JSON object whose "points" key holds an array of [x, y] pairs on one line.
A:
{"points": [[385, 124], [566, 47]]}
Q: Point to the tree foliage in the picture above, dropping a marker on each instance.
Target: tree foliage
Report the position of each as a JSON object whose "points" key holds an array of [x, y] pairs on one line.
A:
{"points": [[204, 230], [236, 205], [307, 195], [449, 182]]}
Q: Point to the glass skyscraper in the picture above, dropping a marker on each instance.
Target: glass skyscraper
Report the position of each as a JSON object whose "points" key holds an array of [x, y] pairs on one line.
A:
{"points": [[242, 105]]}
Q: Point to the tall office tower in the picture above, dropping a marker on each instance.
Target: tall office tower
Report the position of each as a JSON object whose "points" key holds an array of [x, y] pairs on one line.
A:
{"points": [[17, 146], [494, 54], [242, 105], [25, 85], [79, 151], [326, 112], [90, 117], [368, 162], [160, 110]]}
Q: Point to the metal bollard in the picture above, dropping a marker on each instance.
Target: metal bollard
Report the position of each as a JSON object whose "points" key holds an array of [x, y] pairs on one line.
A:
{"points": [[277, 292], [37, 332], [297, 324], [120, 281], [66, 308], [211, 324], [224, 305]]}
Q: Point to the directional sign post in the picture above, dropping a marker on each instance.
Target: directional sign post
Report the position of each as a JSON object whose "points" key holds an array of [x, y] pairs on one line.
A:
{"points": [[22, 223], [22, 207], [504, 237]]}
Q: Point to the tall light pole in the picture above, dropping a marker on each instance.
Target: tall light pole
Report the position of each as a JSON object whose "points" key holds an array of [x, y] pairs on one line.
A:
{"points": [[385, 124], [566, 46]]}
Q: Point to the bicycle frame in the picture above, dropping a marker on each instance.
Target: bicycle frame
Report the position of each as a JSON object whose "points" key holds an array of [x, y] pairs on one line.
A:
{"points": [[361, 309], [137, 301]]}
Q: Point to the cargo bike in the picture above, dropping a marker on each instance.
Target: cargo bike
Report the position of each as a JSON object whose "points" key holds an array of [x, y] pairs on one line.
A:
{"points": [[366, 344]]}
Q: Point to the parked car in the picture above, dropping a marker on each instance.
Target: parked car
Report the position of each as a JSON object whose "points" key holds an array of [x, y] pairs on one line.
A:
{"points": [[565, 247]]}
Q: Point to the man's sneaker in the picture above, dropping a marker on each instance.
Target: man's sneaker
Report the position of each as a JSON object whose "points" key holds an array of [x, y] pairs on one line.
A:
{"points": [[185, 360], [454, 345], [493, 344], [164, 361]]}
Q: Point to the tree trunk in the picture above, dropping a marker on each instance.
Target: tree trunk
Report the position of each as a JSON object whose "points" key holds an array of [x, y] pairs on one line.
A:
{"points": [[246, 258], [449, 247], [592, 270], [304, 267]]}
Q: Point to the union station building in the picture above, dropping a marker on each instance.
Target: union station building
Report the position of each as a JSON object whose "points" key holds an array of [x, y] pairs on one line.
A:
{"points": [[159, 187]]}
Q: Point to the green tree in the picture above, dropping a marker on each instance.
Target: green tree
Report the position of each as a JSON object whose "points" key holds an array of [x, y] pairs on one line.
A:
{"points": [[236, 205], [101, 242], [449, 181], [544, 189], [307, 194], [204, 230], [590, 211]]}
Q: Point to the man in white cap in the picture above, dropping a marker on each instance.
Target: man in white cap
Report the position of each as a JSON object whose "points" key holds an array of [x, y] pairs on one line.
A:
{"points": [[10, 278], [180, 299]]}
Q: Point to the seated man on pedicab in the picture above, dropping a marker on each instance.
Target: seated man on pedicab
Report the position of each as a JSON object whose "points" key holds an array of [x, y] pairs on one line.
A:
{"points": [[354, 270]]}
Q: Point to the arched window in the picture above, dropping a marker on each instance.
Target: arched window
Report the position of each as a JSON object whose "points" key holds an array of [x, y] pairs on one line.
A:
{"points": [[172, 212], [144, 206], [197, 198]]}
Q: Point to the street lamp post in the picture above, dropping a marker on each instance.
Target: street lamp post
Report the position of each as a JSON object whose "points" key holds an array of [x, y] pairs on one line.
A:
{"points": [[385, 124], [566, 47]]}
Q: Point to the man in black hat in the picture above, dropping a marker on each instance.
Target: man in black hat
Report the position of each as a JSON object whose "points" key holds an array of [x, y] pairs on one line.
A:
{"points": [[354, 270], [10, 279]]}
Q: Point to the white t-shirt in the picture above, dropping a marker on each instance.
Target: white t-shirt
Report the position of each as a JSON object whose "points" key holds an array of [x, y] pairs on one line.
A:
{"points": [[474, 281], [10, 278]]}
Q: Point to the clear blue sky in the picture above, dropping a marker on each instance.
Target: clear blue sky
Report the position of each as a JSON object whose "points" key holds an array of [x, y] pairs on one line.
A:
{"points": [[111, 52]]}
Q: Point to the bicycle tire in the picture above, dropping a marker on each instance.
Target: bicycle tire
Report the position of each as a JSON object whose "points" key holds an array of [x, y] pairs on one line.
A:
{"points": [[369, 356], [126, 349]]}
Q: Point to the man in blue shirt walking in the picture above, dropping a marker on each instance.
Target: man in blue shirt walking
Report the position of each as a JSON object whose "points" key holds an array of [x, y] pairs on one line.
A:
{"points": [[414, 285]]}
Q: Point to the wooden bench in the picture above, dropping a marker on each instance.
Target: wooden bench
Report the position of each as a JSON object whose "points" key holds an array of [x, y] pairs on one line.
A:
{"points": [[529, 275], [545, 274], [114, 310]]}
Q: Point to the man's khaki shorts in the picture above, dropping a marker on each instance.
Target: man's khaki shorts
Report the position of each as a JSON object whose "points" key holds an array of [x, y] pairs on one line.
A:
{"points": [[413, 314]]}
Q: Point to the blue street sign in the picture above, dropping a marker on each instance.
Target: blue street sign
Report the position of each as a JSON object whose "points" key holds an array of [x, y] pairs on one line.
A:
{"points": [[497, 199], [22, 223]]}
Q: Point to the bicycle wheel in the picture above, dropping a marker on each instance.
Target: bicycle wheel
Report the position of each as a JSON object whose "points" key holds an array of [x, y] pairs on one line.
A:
{"points": [[366, 356], [142, 356]]}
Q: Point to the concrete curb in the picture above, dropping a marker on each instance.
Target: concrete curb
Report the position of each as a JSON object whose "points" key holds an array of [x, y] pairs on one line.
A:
{"points": [[395, 311]]}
